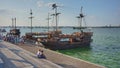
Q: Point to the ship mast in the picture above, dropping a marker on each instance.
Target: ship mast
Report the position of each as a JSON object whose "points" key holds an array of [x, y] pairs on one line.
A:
{"points": [[14, 23], [56, 15], [31, 17], [80, 18], [48, 21]]}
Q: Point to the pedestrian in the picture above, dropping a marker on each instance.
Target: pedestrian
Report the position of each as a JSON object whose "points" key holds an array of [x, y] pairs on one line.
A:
{"points": [[40, 54]]}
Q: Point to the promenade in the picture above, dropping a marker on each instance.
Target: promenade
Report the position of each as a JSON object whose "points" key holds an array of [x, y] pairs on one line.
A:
{"points": [[16, 57], [24, 56]]}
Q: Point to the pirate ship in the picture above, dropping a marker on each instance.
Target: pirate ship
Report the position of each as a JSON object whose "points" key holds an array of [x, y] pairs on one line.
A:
{"points": [[56, 40], [14, 31]]}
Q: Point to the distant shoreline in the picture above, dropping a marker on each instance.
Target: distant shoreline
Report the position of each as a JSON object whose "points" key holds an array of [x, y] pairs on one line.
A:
{"points": [[61, 27]]}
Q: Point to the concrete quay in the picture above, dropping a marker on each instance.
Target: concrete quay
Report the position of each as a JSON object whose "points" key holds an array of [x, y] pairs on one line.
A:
{"points": [[60, 59], [1, 63], [26, 58], [16, 57]]}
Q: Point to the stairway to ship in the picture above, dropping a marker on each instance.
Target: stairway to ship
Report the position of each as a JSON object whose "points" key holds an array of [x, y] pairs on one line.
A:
{"points": [[16, 57]]}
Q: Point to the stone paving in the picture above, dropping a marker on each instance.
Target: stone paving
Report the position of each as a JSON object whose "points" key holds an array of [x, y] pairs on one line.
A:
{"points": [[23, 56], [16, 57], [60, 59]]}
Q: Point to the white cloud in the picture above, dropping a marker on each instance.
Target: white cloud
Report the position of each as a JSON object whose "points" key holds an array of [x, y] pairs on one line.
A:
{"points": [[40, 3], [49, 4], [58, 4], [4, 21], [5, 11]]}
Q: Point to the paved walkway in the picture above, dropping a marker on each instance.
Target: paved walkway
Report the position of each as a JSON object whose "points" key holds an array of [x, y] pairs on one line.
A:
{"points": [[61, 59], [16, 57], [24, 57]]}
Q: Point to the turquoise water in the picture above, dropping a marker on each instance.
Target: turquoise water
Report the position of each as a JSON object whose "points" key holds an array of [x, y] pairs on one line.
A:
{"points": [[104, 50]]}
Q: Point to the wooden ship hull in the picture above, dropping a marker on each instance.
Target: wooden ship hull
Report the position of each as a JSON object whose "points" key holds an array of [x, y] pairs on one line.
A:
{"points": [[73, 41], [64, 45], [14, 32], [62, 41], [79, 27]]}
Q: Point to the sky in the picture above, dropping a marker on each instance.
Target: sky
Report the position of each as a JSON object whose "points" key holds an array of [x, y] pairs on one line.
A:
{"points": [[97, 12]]}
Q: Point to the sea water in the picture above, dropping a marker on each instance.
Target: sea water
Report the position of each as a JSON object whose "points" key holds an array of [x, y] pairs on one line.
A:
{"points": [[104, 50]]}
